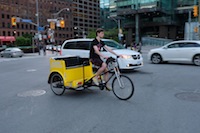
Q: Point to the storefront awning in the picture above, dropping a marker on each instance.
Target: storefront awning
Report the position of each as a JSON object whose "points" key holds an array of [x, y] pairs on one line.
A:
{"points": [[7, 38]]}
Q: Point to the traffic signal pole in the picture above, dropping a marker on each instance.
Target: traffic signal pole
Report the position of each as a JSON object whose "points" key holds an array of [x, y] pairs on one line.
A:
{"points": [[198, 18]]}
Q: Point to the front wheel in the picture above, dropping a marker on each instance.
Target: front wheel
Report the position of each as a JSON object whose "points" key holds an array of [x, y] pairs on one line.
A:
{"points": [[123, 88], [196, 60], [156, 59], [57, 84]]}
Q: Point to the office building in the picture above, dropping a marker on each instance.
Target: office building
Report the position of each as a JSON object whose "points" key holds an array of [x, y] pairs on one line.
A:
{"points": [[86, 16], [154, 18], [79, 16]]}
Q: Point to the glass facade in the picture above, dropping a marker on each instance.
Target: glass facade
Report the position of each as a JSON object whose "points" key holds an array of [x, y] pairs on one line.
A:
{"points": [[155, 18], [107, 10]]}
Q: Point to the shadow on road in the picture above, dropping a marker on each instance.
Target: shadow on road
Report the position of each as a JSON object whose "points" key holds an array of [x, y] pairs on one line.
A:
{"points": [[136, 71]]}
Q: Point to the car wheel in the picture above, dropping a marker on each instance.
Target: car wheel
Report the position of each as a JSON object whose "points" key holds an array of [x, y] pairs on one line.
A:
{"points": [[196, 60], [156, 58]]}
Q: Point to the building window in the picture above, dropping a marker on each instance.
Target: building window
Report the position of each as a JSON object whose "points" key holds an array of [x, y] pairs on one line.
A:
{"points": [[3, 24], [2, 15], [4, 33]]}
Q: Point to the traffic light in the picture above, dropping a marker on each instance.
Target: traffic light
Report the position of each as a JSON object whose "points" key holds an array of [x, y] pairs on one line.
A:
{"points": [[62, 23], [195, 11], [195, 29], [13, 21], [52, 25]]}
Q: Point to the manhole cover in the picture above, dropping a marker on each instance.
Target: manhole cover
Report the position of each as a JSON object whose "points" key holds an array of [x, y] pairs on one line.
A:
{"points": [[189, 96], [33, 93]]}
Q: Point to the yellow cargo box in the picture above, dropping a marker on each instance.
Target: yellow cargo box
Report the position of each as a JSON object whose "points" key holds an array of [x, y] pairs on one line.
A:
{"points": [[73, 69]]}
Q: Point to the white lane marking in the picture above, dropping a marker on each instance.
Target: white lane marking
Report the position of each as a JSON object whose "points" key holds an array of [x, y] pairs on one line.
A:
{"points": [[31, 70], [33, 93]]}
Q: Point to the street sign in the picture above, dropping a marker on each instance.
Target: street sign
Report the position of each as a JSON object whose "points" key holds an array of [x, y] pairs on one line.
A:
{"points": [[40, 28], [26, 20], [51, 20]]}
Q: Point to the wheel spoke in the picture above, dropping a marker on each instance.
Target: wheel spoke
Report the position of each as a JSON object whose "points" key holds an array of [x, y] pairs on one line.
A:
{"points": [[156, 59], [197, 60], [126, 90], [57, 84]]}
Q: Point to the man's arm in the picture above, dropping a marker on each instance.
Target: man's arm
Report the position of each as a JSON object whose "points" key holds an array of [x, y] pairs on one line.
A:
{"points": [[110, 50]]}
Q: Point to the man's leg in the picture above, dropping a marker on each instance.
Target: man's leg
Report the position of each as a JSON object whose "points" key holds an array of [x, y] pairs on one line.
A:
{"points": [[101, 69]]}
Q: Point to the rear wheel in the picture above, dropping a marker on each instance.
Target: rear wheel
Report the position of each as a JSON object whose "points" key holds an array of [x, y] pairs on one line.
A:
{"points": [[57, 84], [123, 90], [196, 60], [156, 58]]}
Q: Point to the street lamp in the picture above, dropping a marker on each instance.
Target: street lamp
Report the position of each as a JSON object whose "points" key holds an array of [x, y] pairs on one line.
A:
{"points": [[37, 15], [55, 15], [117, 21], [82, 30]]}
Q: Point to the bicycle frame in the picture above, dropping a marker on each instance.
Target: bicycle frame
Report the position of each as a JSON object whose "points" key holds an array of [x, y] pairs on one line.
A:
{"points": [[116, 73]]}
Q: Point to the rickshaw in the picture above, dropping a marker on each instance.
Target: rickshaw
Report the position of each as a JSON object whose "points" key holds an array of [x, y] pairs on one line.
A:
{"points": [[76, 73]]}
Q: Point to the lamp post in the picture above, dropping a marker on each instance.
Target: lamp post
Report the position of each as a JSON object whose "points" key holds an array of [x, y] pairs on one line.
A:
{"points": [[82, 30], [37, 15], [55, 21], [117, 21], [55, 15]]}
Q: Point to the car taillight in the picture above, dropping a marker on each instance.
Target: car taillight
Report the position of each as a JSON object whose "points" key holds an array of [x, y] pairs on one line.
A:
{"points": [[60, 52]]}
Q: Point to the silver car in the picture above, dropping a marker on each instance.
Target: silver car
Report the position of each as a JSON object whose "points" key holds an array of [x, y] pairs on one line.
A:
{"points": [[12, 52]]}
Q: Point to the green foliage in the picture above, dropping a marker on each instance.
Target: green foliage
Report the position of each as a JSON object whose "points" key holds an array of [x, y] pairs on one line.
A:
{"points": [[109, 34], [22, 41], [27, 36], [112, 34], [91, 33]]}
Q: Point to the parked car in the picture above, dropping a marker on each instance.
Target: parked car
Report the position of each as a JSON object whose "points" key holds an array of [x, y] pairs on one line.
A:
{"points": [[177, 51], [81, 47], [12, 52]]}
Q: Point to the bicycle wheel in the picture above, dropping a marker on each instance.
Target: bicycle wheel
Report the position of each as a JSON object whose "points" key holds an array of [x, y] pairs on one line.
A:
{"points": [[57, 84], [126, 90]]}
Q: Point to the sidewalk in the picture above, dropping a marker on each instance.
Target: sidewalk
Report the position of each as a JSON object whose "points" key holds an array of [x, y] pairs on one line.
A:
{"points": [[147, 48], [48, 53]]}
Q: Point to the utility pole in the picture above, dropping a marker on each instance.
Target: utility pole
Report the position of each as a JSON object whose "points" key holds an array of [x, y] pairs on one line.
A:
{"points": [[199, 17], [37, 15], [137, 25], [189, 27]]}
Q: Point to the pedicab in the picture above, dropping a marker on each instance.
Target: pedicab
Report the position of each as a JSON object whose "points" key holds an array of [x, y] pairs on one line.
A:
{"points": [[76, 73]]}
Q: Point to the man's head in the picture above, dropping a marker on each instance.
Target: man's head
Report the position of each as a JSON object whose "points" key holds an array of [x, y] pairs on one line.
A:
{"points": [[100, 32]]}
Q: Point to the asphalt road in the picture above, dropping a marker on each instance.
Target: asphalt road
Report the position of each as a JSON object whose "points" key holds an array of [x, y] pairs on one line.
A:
{"points": [[166, 100]]}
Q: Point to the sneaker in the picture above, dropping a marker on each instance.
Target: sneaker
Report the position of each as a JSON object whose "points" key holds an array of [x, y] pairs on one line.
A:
{"points": [[95, 80]]}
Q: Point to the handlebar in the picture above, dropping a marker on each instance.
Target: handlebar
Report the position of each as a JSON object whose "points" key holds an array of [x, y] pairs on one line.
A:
{"points": [[111, 59]]}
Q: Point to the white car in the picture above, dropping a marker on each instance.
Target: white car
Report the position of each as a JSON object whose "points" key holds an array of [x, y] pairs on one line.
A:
{"points": [[12, 52], [177, 51], [81, 47]]}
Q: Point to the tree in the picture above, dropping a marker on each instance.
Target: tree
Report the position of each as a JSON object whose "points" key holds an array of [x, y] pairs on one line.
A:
{"points": [[109, 34], [24, 40]]}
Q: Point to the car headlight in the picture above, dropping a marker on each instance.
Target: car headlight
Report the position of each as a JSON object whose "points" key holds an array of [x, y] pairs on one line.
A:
{"points": [[126, 56]]}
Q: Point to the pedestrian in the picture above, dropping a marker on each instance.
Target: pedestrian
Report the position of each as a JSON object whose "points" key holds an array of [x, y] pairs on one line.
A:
{"points": [[139, 47], [124, 43], [38, 46], [133, 46], [44, 49], [97, 46]]}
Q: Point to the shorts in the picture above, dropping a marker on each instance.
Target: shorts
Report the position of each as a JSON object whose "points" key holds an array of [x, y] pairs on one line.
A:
{"points": [[97, 62]]}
